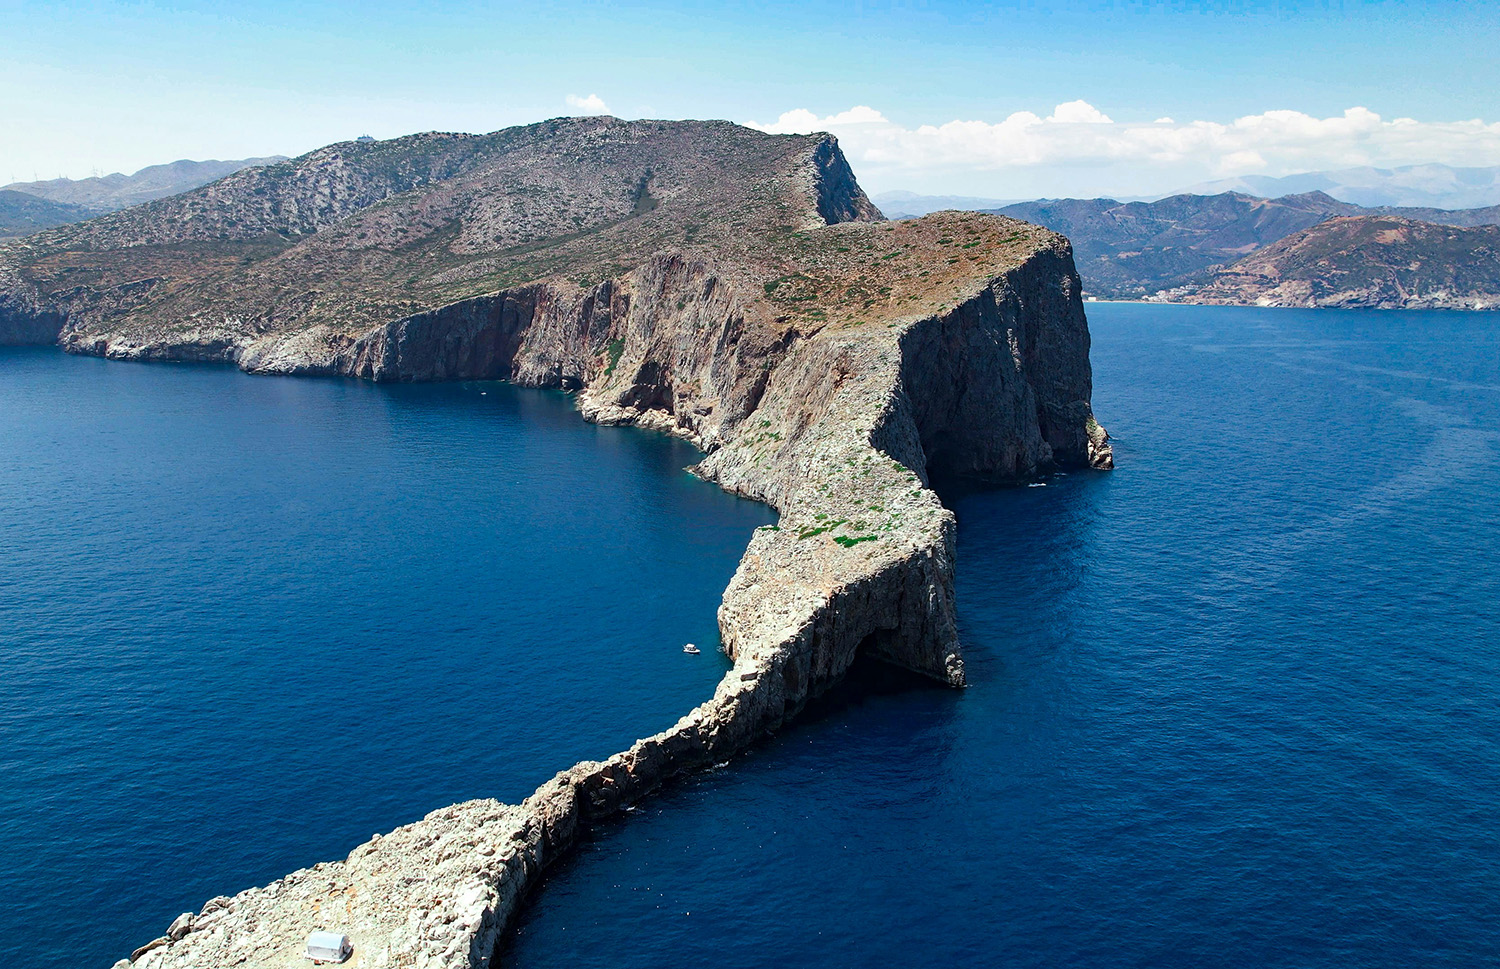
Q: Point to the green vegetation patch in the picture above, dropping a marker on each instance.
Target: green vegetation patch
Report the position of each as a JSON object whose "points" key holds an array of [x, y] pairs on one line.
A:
{"points": [[614, 348], [817, 530], [848, 542]]}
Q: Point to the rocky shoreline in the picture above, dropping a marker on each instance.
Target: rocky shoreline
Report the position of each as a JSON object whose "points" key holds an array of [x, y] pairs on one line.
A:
{"points": [[841, 429], [731, 287]]}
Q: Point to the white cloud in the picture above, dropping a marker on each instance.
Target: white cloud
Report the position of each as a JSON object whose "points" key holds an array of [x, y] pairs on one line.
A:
{"points": [[1078, 112], [1077, 144], [802, 121], [591, 105]]}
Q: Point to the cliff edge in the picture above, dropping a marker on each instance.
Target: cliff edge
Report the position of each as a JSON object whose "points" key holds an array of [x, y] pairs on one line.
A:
{"points": [[826, 362]]}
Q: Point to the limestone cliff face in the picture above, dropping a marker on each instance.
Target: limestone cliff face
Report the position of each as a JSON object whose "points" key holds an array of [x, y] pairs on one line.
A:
{"points": [[357, 235], [732, 287], [836, 427], [25, 320]]}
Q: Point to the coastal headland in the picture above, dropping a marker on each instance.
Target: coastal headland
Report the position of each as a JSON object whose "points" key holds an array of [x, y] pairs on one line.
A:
{"points": [[734, 288]]}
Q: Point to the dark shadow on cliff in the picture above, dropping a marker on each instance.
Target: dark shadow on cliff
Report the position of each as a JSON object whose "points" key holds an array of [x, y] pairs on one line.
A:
{"points": [[869, 679]]}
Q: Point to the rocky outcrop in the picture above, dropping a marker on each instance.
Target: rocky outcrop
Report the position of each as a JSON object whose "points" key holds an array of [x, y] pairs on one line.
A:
{"points": [[25, 319], [728, 286], [837, 428]]}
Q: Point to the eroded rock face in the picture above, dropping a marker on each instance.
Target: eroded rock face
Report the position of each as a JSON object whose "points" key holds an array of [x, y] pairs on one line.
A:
{"points": [[25, 320], [433, 893], [836, 428], [734, 288]]}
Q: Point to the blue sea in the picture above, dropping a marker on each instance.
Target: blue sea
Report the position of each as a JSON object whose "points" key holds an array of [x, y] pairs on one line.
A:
{"points": [[246, 623], [1236, 703]]}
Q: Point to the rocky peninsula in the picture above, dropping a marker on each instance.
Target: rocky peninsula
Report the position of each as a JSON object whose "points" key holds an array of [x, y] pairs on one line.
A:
{"points": [[734, 288]]}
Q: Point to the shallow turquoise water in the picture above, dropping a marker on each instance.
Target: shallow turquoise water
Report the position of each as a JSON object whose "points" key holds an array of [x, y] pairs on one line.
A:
{"points": [[1233, 704], [247, 622]]}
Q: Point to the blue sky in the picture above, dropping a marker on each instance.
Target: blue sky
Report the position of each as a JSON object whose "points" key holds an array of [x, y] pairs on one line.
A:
{"points": [[115, 86]]}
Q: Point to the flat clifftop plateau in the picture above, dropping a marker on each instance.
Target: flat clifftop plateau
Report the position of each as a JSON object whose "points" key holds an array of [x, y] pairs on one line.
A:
{"points": [[1381, 262], [731, 287]]}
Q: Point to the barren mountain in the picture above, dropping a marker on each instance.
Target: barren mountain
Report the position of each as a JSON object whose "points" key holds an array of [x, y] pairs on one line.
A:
{"points": [[108, 193], [22, 214], [1382, 261], [290, 266], [1134, 249]]}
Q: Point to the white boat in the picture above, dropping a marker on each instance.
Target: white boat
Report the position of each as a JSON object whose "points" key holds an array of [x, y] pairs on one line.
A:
{"points": [[690, 648]]}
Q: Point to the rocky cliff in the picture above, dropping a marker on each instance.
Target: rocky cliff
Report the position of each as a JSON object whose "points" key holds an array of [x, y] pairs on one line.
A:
{"points": [[825, 361], [838, 429]]}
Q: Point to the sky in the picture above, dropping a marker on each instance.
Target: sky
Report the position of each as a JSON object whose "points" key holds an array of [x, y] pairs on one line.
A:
{"points": [[1004, 100]]}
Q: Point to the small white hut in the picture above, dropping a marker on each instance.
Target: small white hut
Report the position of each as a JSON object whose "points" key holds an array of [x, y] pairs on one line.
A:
{"points": [[327, 947]]}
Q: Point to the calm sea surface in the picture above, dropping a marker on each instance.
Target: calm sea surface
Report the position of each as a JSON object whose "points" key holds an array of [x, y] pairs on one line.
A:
{"points": [[245, 623], [1234, 704]]}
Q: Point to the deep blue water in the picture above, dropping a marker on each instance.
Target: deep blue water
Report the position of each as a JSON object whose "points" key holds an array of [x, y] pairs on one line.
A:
{"points": [[245, 623], [1234, 704]]}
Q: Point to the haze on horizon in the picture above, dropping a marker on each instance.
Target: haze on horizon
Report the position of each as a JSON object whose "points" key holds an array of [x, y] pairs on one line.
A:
{"points": [[1005, 100]]}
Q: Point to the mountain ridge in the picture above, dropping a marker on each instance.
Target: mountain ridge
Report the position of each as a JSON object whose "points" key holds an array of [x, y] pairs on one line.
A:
{"points": [[1369, 261], [22, 214], [108, 193], [1431, 185], [1131, 250]]}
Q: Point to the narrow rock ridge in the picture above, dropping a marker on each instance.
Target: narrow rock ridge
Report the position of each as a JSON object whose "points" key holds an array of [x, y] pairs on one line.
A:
{"points": [[729, 286], [836, 427]]}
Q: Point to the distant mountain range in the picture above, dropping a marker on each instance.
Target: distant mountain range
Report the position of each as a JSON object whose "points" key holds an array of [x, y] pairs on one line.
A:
{"points": [[1380, 261], [1432, 186], [76, 199], [22, 214], [910, 205], [1414, 186], [1135, 249]]}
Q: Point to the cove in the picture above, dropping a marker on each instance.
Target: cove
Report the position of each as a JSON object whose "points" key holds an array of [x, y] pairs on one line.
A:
{"points": [[1231, 704], [247, 622]]}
